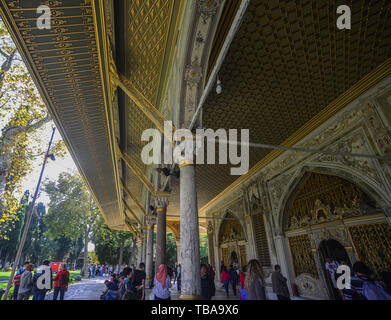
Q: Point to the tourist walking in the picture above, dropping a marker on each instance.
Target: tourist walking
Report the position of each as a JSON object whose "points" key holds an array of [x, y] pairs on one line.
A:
{"points": [[242, 279], [225, 278], [179, 277], [40, 294], [331, 267], [93, 270], [112, 289], [279, 283], [234, 278], [17, 284], [139, 281], [26, 284], [162, 284], [207, 284], [61, 281], [363, 286], [254, 283]]}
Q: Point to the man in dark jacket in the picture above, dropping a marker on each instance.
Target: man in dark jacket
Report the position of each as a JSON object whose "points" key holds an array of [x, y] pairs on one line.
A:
{"points": [[280, 288], [40, 294], [234, 278]]}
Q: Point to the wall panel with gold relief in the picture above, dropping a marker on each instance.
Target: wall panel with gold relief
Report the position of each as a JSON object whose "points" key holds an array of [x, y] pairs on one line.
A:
{"points": [[302, 257], [372, 243], [261, 242]]}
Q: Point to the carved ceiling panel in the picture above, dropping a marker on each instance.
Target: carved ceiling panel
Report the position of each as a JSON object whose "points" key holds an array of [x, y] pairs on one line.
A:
{"points": [[287, 63], [64, 64]]}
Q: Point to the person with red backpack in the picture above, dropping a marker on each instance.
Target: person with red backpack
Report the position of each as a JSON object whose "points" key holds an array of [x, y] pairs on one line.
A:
{"points": [[61, 282], [16, 285]]}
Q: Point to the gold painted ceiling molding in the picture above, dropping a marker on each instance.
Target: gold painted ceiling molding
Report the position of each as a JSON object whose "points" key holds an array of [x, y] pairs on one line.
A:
{"points": [[141, 101], [19, 40], [366, 83], [135, 200]]}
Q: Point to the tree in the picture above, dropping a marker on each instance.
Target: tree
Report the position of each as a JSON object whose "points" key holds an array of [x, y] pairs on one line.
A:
{"points": [[22, 116], [111, 246], [204, 248], [8, 247], [171, 250], [72, 212]]}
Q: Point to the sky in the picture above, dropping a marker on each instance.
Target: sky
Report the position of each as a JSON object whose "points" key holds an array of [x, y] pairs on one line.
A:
{"points": [[52, 170]]}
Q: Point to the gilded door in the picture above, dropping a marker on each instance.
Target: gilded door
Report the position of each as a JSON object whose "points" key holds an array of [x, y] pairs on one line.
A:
{"points": [[372, 243], [225, 255], [243, 255]]}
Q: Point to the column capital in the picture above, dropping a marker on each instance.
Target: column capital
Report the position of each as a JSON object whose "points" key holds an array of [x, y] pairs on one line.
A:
{"points": [[150, 221], [190, 145], [162, 200], [210, 229]]}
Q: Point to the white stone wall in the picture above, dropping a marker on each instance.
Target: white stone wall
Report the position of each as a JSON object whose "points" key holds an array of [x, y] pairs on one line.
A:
{"points": [[361, 127]]}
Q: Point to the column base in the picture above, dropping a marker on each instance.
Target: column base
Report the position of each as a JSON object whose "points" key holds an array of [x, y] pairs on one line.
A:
{"points": [[190, 297]]}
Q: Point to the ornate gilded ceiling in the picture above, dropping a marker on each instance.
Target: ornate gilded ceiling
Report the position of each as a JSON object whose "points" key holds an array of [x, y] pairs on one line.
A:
{"points": [[65, 64], [148, 26], [287, 63]]}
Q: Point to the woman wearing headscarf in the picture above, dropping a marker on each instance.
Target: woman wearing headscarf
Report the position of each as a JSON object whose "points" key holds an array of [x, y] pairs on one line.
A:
{"points": [[162, 284], [254, 282]]}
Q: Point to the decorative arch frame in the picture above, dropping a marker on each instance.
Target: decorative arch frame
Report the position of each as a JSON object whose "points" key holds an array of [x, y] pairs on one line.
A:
{"points": [[370, 186], [224, 215]]}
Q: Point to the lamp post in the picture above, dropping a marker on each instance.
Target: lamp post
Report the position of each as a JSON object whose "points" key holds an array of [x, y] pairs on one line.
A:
{"points": [[29, 216]]}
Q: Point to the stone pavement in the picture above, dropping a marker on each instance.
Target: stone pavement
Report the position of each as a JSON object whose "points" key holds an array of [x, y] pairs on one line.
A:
{"points": [[220, 293], [86, 289], [91, 289]]}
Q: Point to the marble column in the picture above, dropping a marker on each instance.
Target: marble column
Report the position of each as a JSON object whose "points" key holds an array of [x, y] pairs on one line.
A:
{"points": [[139, 252], [283, 255], [149, 252], [161, 203], [178, 251], [144, 254], [211, 253], [190, 240]]}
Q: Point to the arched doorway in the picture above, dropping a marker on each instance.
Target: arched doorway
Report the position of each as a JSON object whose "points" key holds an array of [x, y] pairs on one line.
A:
{"points": [[334, 251], [232, 242], [327, 216]]}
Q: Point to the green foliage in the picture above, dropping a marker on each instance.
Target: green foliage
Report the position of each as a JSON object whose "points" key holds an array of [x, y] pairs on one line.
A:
{"points": [[9, 246], [171, 250], [72, 211], [204, 248], [108, 243], [23, 117]]}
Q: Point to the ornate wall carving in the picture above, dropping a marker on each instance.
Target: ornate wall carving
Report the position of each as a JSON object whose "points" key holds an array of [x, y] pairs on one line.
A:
{"points": [[309, 286], [323, 198], [372, 243], [261, 241], [359, 129], [303, 259], [231, 230]]}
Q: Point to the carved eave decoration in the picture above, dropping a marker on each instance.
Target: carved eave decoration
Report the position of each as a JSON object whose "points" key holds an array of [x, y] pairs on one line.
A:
{"points": [[274, 42], [68, 64]]}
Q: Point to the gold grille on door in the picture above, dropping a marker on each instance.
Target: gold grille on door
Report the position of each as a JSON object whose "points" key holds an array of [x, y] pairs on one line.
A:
{"points": [[372, 243], [303, 260], [243, 256], [261, 242], [225, 254]]}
